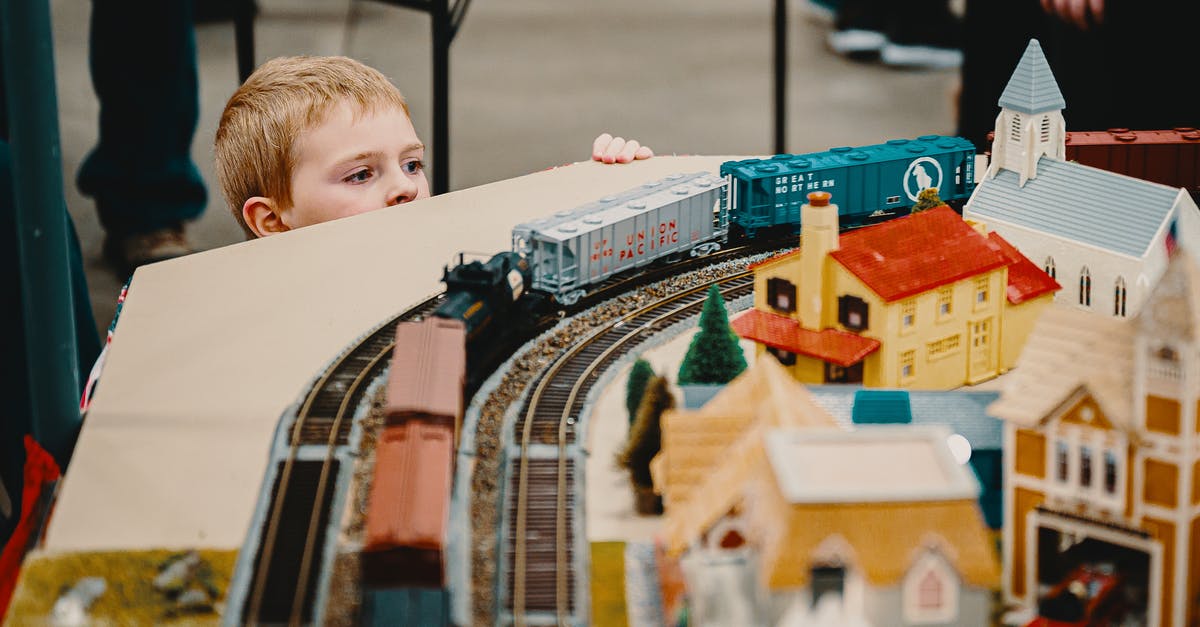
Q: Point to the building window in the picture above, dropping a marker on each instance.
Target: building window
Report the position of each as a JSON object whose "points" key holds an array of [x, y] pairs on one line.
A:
{"points": [[891, 200], [828, 580], [852, 312], [785, 357], [781, 294], [1015, 129], [1062, 462], [908, 315], [1045, 129], [944, 346], [1119, 298], [1085, 467], [1085, 287], [1110, 472], [1164, 363], [908, 365], [930, 592], [981, 291], [945, 301], [1050, 269]]}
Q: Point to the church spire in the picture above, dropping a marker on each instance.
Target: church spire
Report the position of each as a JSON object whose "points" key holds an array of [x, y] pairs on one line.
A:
{"points": [[1030, 123]]}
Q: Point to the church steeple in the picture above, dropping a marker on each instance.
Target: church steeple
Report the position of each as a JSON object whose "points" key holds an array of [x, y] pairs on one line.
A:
{"points": [[1030, 123]]}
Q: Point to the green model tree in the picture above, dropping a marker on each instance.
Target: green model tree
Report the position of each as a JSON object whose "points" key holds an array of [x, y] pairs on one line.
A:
{"points": [[927, 199], [635, 387], [645, 440], [714, 355]]}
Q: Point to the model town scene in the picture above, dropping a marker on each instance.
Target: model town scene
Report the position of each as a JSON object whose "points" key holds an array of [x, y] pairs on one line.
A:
{"points": [[923, 386]]}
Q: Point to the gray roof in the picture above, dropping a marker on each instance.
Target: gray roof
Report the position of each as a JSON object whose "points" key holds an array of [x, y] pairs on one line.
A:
{"points": [[1032, 88], [963, 411], [1078, 203]]}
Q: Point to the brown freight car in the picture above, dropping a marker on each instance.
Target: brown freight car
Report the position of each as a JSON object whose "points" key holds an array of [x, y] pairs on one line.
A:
{"points": [[414, 457], [1170, 157]]}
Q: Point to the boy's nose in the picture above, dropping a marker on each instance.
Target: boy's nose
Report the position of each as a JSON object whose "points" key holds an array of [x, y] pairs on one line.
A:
{"points": [[401, 189]]}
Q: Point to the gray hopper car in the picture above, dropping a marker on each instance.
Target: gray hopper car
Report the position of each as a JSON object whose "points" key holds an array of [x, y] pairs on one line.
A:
{"points": [[576, 248]]}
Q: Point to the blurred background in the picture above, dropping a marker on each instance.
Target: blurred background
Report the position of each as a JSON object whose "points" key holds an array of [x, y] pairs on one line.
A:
{"points": [[532, 83]]}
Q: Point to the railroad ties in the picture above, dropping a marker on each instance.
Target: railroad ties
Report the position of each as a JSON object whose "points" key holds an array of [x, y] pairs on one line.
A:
{"points": [[543, 559]]}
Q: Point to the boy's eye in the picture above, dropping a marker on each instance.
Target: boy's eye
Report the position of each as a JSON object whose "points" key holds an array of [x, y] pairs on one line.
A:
{"points": [[412, 167], [359, 176]]}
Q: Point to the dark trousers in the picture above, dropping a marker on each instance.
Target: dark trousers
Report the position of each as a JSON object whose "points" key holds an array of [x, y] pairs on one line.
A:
{"points": [[1128, 72], [143, 65]]}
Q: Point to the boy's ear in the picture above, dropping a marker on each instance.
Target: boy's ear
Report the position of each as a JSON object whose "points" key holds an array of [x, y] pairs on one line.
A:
{"points": [[262, 216]]}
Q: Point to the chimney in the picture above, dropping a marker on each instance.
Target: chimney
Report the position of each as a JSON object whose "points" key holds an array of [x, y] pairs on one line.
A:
{"points": [[818, 238]]}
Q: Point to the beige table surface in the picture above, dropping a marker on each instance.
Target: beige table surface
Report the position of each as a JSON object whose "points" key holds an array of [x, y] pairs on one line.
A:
{"points": [[211, 349]]}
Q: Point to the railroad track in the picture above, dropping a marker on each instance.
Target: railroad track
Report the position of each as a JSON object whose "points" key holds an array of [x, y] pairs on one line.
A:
{"points": [[288, 561], [541, 576]]}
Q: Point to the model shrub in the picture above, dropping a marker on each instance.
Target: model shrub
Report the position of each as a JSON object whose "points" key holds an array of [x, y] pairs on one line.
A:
{"points": [[714, 355], [927, 199], [635, 387], [645, 438]]}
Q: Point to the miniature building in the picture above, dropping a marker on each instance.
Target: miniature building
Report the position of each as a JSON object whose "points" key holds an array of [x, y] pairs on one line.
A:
{"points": [[924, 301], [976, 436], [1102, 470], [693, 441], [1105, 236], [880, 524]]}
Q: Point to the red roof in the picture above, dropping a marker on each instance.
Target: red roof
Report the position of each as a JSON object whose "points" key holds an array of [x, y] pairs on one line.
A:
{"points": [[917, 253], [838, 347], [1025, 280]]}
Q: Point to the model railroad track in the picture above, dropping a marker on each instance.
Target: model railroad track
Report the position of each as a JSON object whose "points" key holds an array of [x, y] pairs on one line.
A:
{"points": [[540, 558], [288, 564]]}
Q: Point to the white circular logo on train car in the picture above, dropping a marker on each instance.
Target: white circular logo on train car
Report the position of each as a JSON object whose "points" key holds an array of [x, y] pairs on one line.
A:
{"points": [[922, 174]]}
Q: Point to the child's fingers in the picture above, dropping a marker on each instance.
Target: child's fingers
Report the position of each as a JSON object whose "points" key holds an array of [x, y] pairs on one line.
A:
{"points": [[627, 153], [600, 145], [643, 153], [614, 148]]}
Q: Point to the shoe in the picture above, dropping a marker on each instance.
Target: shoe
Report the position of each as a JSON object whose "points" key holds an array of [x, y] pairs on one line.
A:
{"points": [[126, 252], [859, 31], [924, 34]]}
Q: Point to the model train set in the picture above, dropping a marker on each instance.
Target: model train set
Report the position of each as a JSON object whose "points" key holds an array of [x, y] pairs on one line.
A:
{"points": [[434, 471]]}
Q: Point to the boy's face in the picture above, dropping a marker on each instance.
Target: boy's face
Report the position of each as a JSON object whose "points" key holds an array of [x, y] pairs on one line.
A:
{"points": [[345, 166]]}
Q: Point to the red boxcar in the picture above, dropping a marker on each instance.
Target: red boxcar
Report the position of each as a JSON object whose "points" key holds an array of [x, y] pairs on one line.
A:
{"points": [[1170, 157], [414, 457]]}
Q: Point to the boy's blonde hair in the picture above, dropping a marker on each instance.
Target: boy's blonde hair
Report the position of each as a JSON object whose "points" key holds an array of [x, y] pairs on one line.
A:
{"points": [[255, 144]]}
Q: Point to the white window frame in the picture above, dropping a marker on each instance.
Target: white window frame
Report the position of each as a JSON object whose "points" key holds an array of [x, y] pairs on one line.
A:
{"points": [[931, 563]]}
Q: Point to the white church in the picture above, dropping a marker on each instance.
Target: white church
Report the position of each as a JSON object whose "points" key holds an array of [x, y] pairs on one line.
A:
{"points": [[1104, 237]]}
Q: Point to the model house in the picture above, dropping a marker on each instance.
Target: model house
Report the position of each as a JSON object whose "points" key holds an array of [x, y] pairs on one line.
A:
{"points": [[876, 526], [1104, 236], [924, 301], [1102, 467]]}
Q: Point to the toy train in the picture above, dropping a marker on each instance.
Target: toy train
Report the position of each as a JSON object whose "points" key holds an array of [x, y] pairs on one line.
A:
{"points": [[556, 260], [414, 457]]}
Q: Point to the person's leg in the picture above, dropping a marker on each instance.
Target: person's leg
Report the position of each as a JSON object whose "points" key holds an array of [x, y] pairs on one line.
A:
{"points": [[141, 173]]}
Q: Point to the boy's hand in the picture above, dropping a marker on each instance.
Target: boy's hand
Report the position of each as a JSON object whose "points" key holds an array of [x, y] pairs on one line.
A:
{"points": [[611, 149]]}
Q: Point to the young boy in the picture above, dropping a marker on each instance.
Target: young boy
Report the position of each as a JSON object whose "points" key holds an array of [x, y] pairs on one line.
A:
{"points": [[311, 139], [306, 140]]}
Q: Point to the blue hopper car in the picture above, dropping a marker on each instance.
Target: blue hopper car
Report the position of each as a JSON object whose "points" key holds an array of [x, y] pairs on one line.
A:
{"points": [[869, 184]]}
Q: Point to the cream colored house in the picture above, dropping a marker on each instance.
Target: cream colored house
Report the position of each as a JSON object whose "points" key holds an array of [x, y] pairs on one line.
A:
{"points": [[877, 526], [1102, 463]]}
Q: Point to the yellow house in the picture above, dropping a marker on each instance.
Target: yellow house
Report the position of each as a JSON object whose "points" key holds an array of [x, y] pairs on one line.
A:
{"points": [[925, 301], [1101, 465]]}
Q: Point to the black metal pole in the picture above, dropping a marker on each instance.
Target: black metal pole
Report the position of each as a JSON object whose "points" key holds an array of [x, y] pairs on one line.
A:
{"points": [[243, 33], [781, 48], [41, 219], [440, 13]]}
